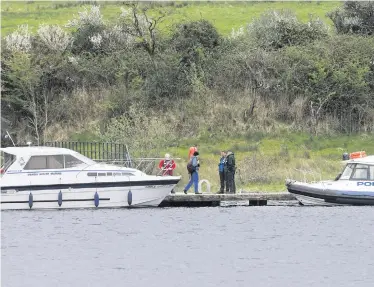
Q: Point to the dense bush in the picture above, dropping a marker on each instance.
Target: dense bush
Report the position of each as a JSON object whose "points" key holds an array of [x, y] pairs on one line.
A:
{"points": [[277, 72], [277, 29], [195, 39], [354, 17]]}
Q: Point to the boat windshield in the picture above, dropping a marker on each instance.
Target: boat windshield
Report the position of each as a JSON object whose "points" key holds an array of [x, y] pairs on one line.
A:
{"points": [[347, 172], [7, 160], [358, 171]]}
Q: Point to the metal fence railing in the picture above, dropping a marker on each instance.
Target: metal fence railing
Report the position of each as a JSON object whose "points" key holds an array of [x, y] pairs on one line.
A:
{"points": [[113, 153], [97, 151]]}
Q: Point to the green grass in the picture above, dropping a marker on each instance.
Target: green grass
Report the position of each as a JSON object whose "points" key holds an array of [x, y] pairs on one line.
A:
{"points": [[266, 161], [224, 15]]}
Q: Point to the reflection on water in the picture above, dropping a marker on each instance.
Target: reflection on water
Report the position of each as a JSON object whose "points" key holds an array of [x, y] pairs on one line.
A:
{"points": [[222, 246]]}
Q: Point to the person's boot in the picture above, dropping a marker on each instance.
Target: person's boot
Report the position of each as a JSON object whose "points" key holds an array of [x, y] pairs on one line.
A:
{"points": [[185, 191]]}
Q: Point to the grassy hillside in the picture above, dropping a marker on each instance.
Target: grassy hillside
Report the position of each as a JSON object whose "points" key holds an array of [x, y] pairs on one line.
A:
{"points": [[267, 155], [264, 162], [224, 15]]}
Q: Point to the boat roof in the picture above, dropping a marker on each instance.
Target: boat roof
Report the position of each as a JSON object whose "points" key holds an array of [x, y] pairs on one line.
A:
{"points": [[36, 150], [367, 160]]}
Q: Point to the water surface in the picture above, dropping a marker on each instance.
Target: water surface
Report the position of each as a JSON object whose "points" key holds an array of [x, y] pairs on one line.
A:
{"points": [[221, 246]]}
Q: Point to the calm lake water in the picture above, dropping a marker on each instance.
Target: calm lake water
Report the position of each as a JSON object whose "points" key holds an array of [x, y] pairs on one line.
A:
{"points": [[220, 246]]}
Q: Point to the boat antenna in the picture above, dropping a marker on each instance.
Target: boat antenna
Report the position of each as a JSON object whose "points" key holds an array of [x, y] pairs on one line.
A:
{"points": [[8, 136]]}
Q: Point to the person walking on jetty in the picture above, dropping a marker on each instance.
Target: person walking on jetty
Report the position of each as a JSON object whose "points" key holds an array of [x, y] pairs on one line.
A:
{"points": [[231, 167], [222, 171], [191, 151], [193, 169]]}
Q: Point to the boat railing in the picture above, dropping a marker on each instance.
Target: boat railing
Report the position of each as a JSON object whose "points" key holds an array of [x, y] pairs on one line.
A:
{"points": [[111, 153], [146, 165]]}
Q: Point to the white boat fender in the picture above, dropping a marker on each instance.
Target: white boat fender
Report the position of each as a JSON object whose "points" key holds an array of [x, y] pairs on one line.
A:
{"points": [[31, 200], [59, 198], [129, 198], [96, 199], [207, 184]]}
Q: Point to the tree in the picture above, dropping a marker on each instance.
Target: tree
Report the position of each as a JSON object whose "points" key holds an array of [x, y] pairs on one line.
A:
{"points": [[194, 40], [88, 26], [355, 17], [24, 79], [136, 22], [277, 29]]}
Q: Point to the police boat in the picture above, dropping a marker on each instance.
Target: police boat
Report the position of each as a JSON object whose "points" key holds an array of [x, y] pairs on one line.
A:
{"points": [[353, 186], [60, 178]]}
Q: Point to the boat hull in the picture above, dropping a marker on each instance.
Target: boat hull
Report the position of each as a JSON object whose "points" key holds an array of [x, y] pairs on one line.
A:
{"points": [[327, 195], [111, 197], [312, 201]]}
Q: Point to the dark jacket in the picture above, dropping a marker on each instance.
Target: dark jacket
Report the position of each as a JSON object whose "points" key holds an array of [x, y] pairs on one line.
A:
{"points": [[230, 162], [221, 165]]}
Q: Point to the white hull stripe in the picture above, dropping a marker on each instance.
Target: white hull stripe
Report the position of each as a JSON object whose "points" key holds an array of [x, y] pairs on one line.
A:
{"points": [[91, 185], [51, 200]]}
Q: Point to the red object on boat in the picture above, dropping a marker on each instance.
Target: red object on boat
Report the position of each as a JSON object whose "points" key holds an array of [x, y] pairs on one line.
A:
{"points": [[357, 154]]}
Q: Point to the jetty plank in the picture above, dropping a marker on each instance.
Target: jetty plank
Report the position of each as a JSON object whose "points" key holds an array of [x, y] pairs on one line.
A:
{"points": [[214, 199], [229, 197]]}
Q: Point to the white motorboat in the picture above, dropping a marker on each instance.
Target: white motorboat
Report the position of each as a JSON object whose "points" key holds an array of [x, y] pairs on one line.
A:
{"points": [[354, 186], [59, 178]]}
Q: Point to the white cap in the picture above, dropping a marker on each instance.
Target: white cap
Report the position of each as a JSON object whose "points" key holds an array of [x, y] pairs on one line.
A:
{"points": [[167, 156]]}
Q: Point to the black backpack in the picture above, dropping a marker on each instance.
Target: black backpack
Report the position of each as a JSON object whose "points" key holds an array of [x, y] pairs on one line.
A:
{"points": [[190, 167]]}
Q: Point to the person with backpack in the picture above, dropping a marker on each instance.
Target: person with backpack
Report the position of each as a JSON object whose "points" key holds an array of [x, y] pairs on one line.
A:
{"points": [[231, 167], [191, 151], [193, 169], [222, 171]]}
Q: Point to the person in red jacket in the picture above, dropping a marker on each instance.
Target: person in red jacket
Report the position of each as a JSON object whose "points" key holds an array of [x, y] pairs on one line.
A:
{"points": [[167, 165]]}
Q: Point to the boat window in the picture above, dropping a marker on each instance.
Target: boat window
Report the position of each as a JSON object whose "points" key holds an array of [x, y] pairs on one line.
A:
{"points": [[122, 173], [6, 161], [371, 172], [91, 173], [360, 172], [55, 161], [45, 162], [347, 171], [36, 162], [101, 174], [71, 161]]}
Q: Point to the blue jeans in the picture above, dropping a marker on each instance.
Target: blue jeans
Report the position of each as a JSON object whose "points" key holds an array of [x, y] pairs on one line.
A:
{"points": [[194, 179]]}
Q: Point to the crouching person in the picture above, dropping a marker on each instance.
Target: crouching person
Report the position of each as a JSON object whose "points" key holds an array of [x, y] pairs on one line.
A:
{"points": [[193, 169]]}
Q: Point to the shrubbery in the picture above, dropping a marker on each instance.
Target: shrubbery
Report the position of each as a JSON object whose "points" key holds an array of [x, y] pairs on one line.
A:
{"points": [[354, 18], [116, 78]]}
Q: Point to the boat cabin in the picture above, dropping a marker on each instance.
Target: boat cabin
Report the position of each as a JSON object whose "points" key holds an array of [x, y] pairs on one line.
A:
{"points": [[41, 158], [359, 169]]}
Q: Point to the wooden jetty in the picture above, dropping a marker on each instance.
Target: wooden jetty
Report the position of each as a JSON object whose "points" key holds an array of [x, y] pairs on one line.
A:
{"points": [[215, 199]]}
